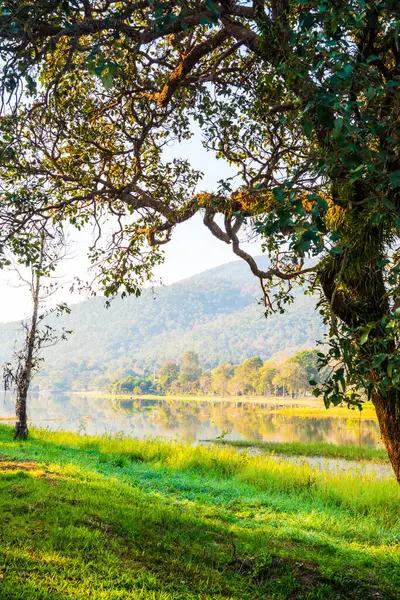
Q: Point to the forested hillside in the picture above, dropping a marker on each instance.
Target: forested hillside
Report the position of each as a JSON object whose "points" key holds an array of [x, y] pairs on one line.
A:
{"points": [[216, 314]]}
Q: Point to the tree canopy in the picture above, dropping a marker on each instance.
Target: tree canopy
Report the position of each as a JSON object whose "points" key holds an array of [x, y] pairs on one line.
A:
{"points": [[302, 97]]}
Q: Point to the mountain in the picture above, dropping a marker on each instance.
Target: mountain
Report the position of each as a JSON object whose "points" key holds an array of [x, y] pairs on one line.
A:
{"points": [[215, 313]]}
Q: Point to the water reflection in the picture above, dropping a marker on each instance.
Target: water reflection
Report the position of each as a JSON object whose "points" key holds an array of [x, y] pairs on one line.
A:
{"points": [[191, 420]]}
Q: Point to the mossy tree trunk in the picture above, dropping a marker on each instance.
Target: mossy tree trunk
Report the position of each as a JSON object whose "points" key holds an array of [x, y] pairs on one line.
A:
{"points": [[356, 292], [388, 413]]}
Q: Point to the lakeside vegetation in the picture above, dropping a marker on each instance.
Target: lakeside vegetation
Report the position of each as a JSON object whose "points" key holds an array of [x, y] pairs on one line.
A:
{"points": [[305, 407], [342, 412], [273, 401], [98, 518], [250, 378], [323, 449]]}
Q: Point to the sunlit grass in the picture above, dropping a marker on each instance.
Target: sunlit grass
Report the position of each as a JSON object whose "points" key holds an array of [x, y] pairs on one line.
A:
{"points": [[367, 412], [86, 517], [324, 449]]}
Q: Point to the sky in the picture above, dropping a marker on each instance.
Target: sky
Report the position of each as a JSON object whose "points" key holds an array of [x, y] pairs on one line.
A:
{"points": [[192, 248]]}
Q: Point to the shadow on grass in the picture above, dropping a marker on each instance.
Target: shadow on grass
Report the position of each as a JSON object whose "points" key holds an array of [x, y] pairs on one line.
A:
{"points": [[92, 540], [149, 532]]}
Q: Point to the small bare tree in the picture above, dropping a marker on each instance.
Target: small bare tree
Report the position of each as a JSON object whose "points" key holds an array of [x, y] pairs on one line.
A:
{"points": [[19, 373]]}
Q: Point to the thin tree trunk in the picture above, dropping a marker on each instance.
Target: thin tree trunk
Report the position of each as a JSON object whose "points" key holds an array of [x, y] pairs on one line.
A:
{"points": [[21, 425], [388, 413]]}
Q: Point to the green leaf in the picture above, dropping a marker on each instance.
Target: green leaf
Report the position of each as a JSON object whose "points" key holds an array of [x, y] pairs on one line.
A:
{"points": [[395, 180], [378, 359], [370, 93], [392, 84], [335, 237], [356, 173], [388, 203], [346, 72], [107, 80], [279, 194], [337, 129], [211, 6], [306, 20], [325, 117], [323, 205], [382, 263], [364, 334], [307, 125], [376, 218]]}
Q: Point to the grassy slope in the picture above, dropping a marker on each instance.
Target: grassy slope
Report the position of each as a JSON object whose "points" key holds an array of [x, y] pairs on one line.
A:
{"points": [[93, 518]]}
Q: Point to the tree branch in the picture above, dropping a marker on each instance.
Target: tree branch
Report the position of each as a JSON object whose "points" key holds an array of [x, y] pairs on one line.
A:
{"points": [[178, 75]]}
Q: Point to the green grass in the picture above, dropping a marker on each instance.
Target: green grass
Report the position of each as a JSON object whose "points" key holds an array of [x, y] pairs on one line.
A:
{"points": [[324, 449], [99, 518]]}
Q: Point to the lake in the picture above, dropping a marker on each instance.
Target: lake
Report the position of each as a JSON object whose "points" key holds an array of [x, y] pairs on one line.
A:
{"points": [[192, 419]]}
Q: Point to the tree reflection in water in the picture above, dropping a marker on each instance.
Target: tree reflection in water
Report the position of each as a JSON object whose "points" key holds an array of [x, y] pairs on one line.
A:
{"points": [[193, 419]]}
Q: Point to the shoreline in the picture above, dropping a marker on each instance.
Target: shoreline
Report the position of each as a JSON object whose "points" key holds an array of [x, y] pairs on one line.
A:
{"points": [[312, 402], [291, 407]]}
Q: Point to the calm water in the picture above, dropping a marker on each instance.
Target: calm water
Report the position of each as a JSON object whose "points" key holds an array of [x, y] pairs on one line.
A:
{"points": [[191, 420]]}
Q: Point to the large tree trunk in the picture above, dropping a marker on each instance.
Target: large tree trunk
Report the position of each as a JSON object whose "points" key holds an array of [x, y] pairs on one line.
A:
{"points": [[371, 305], [388, 413]]}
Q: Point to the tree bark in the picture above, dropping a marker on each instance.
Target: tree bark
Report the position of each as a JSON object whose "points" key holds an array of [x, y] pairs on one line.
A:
{"points": [[388, 413], [21, 425], [24, 380], [368, 302]]}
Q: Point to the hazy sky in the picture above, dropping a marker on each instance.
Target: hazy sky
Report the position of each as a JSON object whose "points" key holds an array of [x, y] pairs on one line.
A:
{"points": [[192, 249]]}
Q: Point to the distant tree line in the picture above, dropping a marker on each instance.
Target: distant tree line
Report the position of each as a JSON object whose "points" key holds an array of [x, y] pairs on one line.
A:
{"points": [[250, 378]]}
